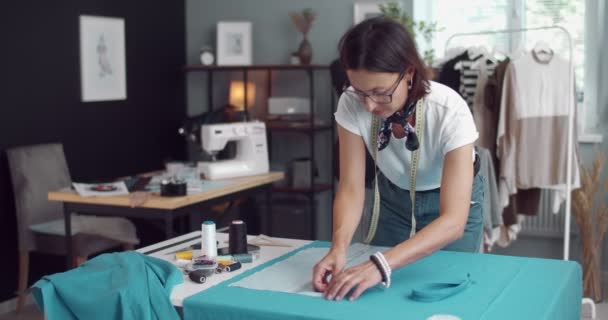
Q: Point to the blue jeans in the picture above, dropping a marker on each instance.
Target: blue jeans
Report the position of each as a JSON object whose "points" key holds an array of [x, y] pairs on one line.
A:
{"points": [[395, 223]]}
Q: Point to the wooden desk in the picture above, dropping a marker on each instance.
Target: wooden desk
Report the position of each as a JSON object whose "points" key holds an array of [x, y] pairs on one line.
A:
{"points": [[157, 207]]}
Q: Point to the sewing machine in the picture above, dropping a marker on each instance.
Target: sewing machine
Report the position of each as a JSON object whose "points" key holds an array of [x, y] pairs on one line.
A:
{"points": [[251, 154]]}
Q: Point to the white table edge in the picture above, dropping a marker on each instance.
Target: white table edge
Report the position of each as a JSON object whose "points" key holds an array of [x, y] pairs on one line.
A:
{"points": [[188, 288]]}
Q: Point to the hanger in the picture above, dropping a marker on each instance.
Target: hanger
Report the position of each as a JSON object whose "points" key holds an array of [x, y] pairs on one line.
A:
{"points": [[473, 53], [498, 54], [542, 47], [486, 57], [449, 55], [477, 51], [519, 52], [543, 51]]}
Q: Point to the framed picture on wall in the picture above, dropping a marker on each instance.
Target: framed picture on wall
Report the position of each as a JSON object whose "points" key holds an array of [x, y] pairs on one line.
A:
{"points": [[102, 59], [233, 43], [366, 10]]}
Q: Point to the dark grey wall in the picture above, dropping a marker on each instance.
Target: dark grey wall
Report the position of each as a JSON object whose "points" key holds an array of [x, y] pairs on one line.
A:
{"points": [[274, 38], [40, 100]]}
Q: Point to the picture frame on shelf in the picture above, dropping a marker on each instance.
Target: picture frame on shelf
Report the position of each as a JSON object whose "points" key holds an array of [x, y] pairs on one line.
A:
{"points": [[102, 58], [366, 10], [234, 43]]}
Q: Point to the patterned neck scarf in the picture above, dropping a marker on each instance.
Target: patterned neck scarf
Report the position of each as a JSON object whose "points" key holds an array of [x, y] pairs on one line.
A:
{"points": [[399, 117]]}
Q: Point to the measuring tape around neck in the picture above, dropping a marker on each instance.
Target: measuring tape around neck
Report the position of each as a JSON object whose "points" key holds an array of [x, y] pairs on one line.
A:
{"points": [[413, 169]]}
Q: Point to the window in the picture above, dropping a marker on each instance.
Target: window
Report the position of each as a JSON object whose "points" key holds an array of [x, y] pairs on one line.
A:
{"points": [[473, 16], [481, 15], [569, 14]]}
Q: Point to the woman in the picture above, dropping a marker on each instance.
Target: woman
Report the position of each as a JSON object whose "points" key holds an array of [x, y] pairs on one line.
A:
{"points": [[417, 122]]}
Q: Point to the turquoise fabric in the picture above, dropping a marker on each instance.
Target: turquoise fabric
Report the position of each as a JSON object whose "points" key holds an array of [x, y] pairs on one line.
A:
{"points": [[438, 291], [500, 288], [126, 285]]}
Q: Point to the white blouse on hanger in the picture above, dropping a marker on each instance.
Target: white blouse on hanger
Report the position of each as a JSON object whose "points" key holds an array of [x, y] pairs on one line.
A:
{"points": [[533, 127]]}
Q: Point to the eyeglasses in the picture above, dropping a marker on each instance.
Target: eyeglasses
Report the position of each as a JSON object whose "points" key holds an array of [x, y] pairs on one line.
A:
{"points": [[380, 98]]}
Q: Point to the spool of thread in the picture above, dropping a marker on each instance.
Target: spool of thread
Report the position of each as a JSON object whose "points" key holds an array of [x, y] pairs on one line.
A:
{"points": [[184, 255], [181, 263], [243, 257], [228, 266], [208, 242], [233, 267], [237, 241], [240, 257], [198, 276]]}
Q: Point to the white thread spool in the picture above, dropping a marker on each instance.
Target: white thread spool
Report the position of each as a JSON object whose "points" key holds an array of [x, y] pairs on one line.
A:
{"points": [[208, 242]]}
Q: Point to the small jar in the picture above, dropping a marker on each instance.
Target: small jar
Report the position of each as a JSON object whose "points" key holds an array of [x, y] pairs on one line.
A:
{"points": [[295, 58]]}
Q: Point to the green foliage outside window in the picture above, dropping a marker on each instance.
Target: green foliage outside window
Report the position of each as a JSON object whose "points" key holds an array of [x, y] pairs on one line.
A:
{"points": [[427, 30]]}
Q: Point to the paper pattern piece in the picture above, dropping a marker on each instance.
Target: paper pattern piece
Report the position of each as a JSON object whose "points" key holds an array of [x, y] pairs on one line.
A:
{"points": [[294, 274]]}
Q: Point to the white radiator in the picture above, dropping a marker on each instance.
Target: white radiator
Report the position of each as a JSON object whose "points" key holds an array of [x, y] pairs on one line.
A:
{"points": [[546, 223]]}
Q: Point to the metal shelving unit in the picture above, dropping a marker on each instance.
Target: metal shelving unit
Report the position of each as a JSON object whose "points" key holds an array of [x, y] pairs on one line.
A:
{"points": [[306, 127]]}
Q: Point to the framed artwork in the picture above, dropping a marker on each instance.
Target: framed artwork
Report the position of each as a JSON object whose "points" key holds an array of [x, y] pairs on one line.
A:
{"points": [[102, 59], [234, 43], [366, 10]]}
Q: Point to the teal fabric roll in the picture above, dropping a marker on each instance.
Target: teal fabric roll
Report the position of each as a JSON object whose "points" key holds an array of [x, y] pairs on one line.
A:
{"points": [[126, 285], [501, 288]]}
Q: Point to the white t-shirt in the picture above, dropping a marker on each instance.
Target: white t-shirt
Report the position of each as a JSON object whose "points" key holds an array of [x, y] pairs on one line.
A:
{"points": [[448, 125]]}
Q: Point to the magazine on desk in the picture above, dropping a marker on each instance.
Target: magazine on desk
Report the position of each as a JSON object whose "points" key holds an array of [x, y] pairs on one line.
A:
{"points": [[101, 189]]}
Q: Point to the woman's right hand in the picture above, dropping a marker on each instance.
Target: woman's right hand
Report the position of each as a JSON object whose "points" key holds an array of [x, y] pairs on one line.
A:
{"points": [[331, 265]]}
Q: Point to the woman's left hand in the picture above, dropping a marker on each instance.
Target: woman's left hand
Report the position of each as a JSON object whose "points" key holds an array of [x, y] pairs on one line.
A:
{"points": [[361, 277]]}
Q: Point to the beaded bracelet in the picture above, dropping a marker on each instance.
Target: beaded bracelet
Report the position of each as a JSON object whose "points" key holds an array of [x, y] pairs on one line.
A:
{"points": [[386, 266], [378, 265], [382, 265]]}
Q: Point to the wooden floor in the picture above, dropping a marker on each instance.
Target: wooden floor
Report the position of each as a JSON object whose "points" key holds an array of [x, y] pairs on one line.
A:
{"points": [[30, 312]]}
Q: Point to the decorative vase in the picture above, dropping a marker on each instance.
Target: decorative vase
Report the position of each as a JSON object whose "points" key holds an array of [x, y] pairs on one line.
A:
{"points": [[305, 51]]}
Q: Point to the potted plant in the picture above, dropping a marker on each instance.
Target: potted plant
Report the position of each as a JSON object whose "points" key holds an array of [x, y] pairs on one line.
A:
{"points": [[394, 11], [303, 21]]}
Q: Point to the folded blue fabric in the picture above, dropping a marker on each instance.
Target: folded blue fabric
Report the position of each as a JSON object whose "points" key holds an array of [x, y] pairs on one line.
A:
{"points": [[126, 285], [438, 291]]}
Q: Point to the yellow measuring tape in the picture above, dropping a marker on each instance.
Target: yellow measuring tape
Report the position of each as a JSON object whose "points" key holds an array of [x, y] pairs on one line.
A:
{"points": [[413, 168]]}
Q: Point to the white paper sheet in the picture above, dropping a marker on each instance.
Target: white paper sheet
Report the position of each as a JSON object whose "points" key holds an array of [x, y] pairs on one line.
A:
{"points": [[294, 274]]}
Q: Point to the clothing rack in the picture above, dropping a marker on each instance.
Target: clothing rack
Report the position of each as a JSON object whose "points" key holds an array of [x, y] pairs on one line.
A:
{"points": [[567, 217]]}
